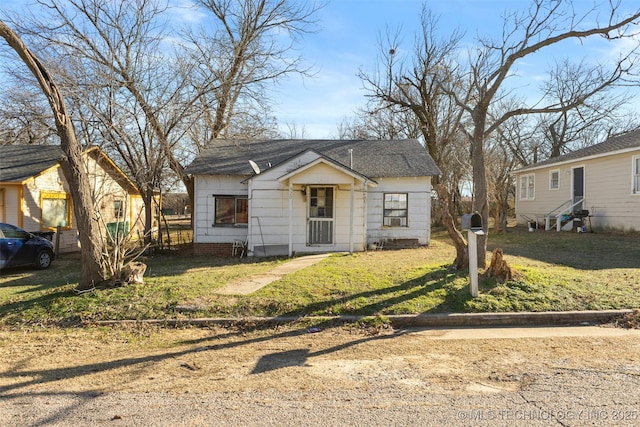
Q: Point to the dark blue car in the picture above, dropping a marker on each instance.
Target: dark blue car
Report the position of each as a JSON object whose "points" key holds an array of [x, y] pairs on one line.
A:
{"points": [[20, 248]]}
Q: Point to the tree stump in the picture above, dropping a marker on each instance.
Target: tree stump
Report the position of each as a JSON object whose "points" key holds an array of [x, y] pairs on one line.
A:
{"points": [[133, 272], [499, 269]]}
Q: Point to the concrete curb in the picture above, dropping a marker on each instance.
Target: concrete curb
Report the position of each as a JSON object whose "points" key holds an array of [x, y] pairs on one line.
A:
{"points": [[437, 320], [553, 318]]}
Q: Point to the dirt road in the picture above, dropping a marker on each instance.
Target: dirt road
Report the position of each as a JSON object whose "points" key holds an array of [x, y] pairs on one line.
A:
{"points": [[335, 376]]}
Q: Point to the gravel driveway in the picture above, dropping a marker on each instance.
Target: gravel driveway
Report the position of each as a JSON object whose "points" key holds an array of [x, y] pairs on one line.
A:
{"points": [[329, 377]]}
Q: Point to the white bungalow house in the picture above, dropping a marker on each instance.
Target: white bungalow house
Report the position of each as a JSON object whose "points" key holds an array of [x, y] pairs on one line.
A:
{"points": [[602, 180], [285, 197], [35, 196]]}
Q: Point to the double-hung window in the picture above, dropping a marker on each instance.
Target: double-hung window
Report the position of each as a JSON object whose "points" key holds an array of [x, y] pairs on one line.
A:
{"points": [[554, 179], [396, 209], [231, 210], [118, 209], [527, 187]]}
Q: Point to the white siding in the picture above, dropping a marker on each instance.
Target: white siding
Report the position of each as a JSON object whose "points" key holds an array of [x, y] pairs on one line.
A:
{"points": [[321, 174], [358, 214], [269, 203], [608, 192], [206, 187], [418, 226]]}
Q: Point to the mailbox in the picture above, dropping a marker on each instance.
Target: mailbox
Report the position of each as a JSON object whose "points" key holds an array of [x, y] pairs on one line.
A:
{"points": [[472, 222]]}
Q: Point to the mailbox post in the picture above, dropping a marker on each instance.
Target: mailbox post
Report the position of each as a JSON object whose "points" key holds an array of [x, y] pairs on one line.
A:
{"points": [[473, 224]]}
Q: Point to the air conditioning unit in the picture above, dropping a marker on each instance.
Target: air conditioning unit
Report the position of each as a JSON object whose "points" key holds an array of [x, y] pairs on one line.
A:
{"points": [[395, 222]]}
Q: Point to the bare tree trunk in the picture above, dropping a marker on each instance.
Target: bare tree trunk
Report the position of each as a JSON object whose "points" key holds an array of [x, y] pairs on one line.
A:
{"points": [[72, 165], [147, 196], [459, 242], [480, 193], [189, 184]]}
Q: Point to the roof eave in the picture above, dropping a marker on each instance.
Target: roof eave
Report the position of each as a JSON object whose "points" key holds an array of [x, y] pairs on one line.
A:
{"points": [[574, 160], [327, 161]]}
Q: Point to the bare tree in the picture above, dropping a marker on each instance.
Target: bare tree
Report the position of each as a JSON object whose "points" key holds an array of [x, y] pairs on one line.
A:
{"points": [[24, 119], [546, 23], [500, 163], [449, 96], [294, 132], [71, 163], [594, 120], [120, 80], [158, 99], [381, 121], [413, 86], [241, 52]]}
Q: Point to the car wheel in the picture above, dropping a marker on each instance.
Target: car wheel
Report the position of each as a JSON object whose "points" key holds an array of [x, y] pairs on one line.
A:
{"points": [[43, 260]]}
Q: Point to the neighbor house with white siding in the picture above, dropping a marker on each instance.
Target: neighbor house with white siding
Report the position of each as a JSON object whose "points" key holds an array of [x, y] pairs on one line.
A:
{"points": [[286, 197], [602, 180], [35, 196]]}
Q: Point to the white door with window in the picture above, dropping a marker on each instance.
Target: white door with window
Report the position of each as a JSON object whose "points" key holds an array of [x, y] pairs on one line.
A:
{"points": [[320, 216]]}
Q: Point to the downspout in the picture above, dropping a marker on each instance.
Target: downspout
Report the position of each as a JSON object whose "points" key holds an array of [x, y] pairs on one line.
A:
{"points": [[194, 227], [250, 216], [365, 193], [290, 219], [429, 199], [351, 217]]}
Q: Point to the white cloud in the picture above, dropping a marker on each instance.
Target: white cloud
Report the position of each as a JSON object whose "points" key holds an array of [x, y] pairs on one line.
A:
{"points": [[186, 12]]}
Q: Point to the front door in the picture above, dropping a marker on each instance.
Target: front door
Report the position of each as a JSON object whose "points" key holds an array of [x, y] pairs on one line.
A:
{"points": [[578, 187], [321, 216]]}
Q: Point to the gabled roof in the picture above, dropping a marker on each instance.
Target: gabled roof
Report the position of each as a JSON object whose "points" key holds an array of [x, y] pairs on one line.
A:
{"points": [[20, 162], [616, 144], [371, 158], [328, 161]]}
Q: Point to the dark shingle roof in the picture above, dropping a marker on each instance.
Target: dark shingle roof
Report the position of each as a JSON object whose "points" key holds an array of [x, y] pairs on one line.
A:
{"points": [[374, 159], [615, 143], [19, 162]]}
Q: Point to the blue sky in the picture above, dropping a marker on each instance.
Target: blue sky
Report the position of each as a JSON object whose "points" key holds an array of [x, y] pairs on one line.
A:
{"points": [[347, 40]]}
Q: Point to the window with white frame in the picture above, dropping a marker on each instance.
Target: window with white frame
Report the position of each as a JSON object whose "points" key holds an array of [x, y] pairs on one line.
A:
{"points": [[118, 209], [395, 209], [636, 175], [554, 179], [321, 202], [527, 187]]}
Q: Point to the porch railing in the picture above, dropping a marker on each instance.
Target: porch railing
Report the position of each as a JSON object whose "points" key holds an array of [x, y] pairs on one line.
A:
{"points": [[558, 212]]}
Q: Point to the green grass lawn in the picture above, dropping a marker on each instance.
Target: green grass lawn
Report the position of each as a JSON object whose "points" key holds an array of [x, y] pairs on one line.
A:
{"points": [[555, 271]]}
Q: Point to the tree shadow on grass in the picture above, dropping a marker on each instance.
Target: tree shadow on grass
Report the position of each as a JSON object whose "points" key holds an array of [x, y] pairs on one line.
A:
{"points": [[44, 301], [382, 301], [586, 251], [65, 269], [41, 287]]}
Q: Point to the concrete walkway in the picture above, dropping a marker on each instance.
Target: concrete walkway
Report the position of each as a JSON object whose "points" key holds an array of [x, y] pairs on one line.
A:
{"points": [[256, 282]]}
